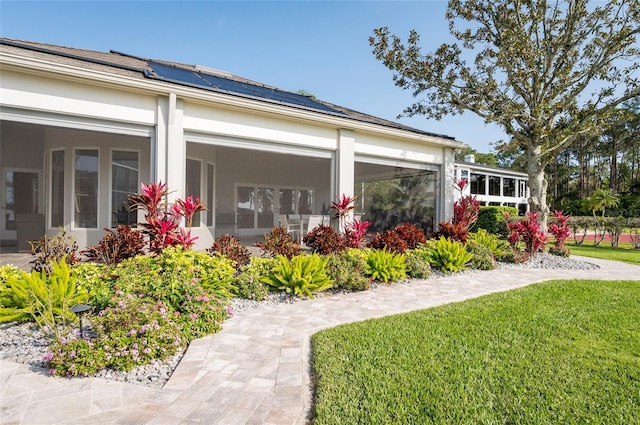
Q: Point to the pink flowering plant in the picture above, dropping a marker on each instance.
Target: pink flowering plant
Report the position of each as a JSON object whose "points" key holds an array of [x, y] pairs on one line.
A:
{"points": [[163, 219], [354, 230]]}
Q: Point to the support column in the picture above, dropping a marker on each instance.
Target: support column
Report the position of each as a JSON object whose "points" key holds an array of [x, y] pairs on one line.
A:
{"points": [[176, 150], [447, 190], [345, 164]]}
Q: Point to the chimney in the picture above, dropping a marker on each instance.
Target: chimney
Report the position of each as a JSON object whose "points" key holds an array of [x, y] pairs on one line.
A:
{"points": [[470, 158]]}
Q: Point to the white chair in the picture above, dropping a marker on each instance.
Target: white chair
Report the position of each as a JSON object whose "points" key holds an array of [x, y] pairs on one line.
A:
{"points": [[291, 228], [314, 221]]}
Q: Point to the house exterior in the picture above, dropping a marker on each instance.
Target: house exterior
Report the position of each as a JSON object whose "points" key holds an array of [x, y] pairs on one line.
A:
{"points": [[80, 130], [493, 186]]}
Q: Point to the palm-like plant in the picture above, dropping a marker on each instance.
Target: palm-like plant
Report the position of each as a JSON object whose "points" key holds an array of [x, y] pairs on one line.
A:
{"points": [[603, 199]]}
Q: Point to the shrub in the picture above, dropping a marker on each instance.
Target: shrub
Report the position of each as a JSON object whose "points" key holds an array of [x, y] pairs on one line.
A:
{"points": [[324, 240], [413, 236], [116, 246], [249, 284], [230, 247], [6, 272], [355, 232], [44, 299], [163, 219], [497, 246], [483, 258], [132, 333], [278, 242], [455, 232], [389, 240], [447, 255], [301, 275], [385, 265], [417, 263], [47, 250], [347, 269], [465, 211], [528, 232], [560, 231], [492, 220], [96, 280]]}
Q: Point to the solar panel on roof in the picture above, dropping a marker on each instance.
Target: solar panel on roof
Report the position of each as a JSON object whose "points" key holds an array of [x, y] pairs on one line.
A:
{"points": [[213, 82]]}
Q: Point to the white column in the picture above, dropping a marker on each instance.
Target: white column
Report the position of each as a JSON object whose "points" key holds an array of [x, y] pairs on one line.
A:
{"points": [[159, 148], [176, 150], [447, 189], [345, 163]]}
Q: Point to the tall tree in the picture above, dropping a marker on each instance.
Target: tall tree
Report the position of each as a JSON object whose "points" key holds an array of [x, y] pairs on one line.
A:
{"points": [[546, 71]]}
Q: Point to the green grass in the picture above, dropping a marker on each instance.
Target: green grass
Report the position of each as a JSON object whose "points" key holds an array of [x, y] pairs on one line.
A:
{"points": [[554, 353], [624, 253]]}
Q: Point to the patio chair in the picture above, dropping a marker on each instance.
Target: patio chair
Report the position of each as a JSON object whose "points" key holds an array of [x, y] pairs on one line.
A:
{"points": [[291, 228], [314, 221]]}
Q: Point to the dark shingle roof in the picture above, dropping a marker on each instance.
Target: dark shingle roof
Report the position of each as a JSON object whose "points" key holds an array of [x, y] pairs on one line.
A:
{"points": [[195, 76]]}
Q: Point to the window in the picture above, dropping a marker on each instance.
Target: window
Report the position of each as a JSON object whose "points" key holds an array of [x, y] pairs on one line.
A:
{"points": [[56, 219], [193, 185], [287, 201], [86, 188], [522, 190], [305, 201], [245, 207], [210, 199], [478, 185], [494, 185], [509, 187], [266, 207], [124, 182]]}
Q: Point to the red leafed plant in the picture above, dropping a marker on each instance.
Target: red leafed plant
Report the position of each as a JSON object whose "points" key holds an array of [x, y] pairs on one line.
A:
{"points": [[355, 232], [527, 231], [465, 211], [412, 235], [560, 231], [343, 206], [163, 219]]}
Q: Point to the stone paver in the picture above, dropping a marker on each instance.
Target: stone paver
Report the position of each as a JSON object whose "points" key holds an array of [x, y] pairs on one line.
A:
{"points": [[256, 371]]}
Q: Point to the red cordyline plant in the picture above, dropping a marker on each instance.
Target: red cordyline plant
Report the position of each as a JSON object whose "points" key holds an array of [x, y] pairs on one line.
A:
{"points": [[163, 219], [527, 231], [343, 206], [560, 231], [356, 232]]}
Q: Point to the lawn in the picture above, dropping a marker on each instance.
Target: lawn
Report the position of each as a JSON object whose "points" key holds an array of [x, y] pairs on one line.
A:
{"points": [[624, 253], [557, 352]]}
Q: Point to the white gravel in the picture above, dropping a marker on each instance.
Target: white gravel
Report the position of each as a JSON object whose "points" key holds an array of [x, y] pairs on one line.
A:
{"points": [[25, 343]]}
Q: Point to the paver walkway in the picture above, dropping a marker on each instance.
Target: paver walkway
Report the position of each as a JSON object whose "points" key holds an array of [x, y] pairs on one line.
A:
{"points": [[256, 371]]}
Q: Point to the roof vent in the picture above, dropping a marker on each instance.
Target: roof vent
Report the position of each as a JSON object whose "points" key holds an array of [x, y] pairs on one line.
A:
{"points": [[470, 158]]}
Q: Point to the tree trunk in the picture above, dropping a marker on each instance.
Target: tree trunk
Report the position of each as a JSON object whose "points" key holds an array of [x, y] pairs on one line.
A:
{"points": [[537, 184]]}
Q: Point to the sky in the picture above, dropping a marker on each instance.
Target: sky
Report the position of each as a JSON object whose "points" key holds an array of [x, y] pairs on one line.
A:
{"points": [[321, 47]]}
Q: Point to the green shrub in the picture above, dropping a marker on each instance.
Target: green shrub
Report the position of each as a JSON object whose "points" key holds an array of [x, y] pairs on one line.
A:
{"points": [[7, 272], [249, 284], [492, 220], [301, 275], [278, 242], [385, 266], [49, 249], [347, 269], [44, 299], [483, 258], [448, 256], [417, 263], [497, 246], [134, 332], [96, 279]]}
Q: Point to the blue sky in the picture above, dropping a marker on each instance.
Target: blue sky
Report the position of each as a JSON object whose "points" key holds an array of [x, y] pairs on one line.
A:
{"points": [[318, 46]]}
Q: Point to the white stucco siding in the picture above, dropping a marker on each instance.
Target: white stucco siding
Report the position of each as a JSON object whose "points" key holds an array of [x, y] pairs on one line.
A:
{"points": [[33, 92], [251, 126], [366, 144]]}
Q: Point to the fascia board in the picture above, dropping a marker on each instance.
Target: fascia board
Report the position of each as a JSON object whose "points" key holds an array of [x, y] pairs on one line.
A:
{"points": [[11, 61]]}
